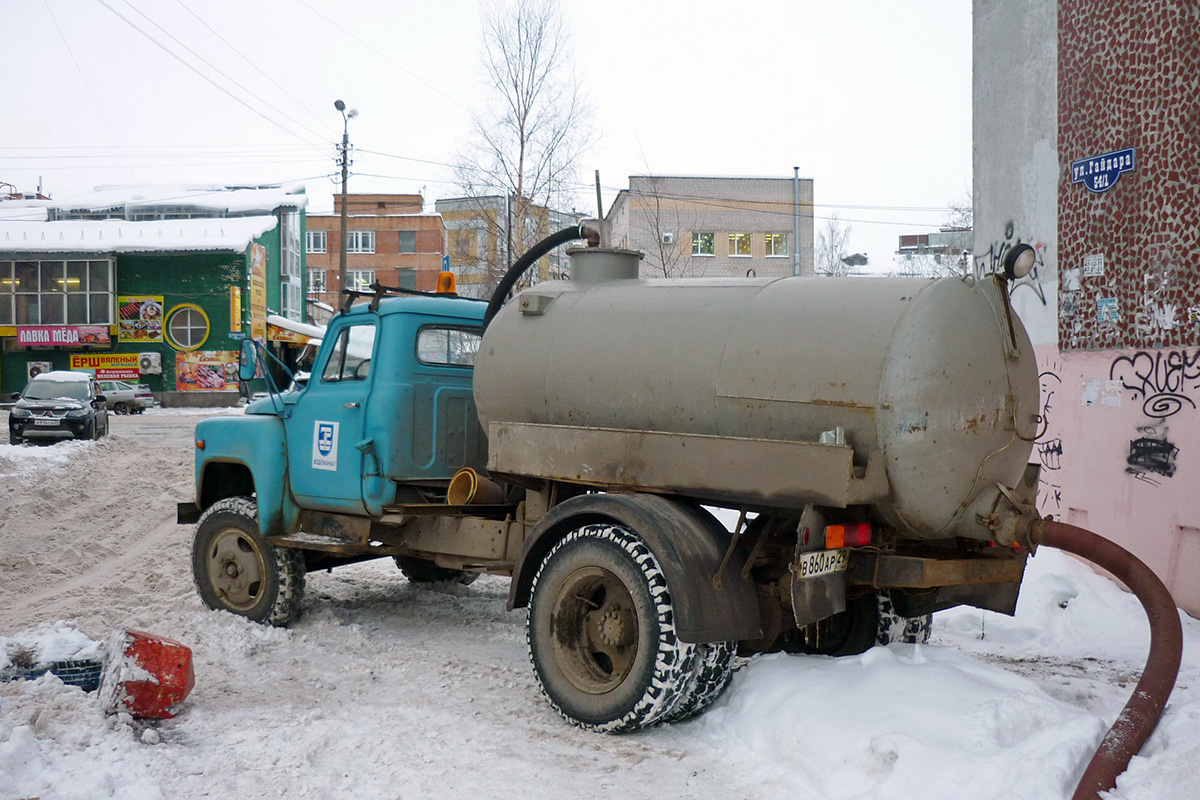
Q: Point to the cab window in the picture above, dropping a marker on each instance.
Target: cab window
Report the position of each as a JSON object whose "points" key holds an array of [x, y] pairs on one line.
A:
{"points": [[350, 359], [447, 346]]}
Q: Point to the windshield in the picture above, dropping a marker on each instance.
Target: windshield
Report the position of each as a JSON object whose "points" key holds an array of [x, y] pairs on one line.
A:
{"points": [[50, 390]]}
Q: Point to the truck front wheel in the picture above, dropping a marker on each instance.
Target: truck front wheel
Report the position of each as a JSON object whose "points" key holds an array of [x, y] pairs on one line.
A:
{"points": [[235, 569], [601, 632]]}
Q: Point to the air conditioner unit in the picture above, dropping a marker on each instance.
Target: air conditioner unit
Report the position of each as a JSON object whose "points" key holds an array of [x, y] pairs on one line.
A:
{"points": [[668, 237], [150, 363], [35, 368]]}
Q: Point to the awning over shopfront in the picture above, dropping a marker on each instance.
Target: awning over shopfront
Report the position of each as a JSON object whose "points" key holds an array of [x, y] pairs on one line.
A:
{"points": [[282, 329]]}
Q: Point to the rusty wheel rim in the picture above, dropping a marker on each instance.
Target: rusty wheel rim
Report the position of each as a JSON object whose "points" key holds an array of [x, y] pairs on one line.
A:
{"points": [[594, 630], [236, 569]]}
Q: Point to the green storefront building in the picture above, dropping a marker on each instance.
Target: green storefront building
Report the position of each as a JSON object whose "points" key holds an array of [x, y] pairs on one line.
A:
{"points": [[154, 285]]}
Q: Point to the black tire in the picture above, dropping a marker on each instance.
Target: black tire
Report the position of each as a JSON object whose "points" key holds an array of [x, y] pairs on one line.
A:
{"points": [[711, 671], [601, 632], [869, 620], [235, 569], [14, 439], [120, 408], [418, 570], [895, 628]]}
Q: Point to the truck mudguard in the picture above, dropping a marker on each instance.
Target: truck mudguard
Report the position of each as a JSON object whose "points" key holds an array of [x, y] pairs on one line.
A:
{"points": [[252, 444], [689, 544]]}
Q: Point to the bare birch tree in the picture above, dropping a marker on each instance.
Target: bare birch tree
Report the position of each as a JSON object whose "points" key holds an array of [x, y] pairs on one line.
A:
{"points": [[666, 219], [831, 249], [526, 144]]}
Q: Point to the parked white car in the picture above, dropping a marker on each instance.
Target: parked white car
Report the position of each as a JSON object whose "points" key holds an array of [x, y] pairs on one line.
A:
{"points": [[126, 398]]}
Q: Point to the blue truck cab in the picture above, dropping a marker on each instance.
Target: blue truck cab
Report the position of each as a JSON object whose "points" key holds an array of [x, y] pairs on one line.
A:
{"points": [[387, 417]]}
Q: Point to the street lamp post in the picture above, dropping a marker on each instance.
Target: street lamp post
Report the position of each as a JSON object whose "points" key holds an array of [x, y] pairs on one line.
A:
{"points": [[344, 159]]}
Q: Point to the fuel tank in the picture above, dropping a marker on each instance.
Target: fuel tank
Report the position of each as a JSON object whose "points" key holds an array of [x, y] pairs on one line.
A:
{"points": [[935, 378]]}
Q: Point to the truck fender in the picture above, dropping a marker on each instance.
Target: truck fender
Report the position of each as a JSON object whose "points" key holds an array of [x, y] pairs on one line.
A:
{"points": [[253, 461], [689, 544]]}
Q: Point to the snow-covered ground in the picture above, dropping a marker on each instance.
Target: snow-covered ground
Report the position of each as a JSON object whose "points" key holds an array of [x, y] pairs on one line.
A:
{"points": [[391, 690]]}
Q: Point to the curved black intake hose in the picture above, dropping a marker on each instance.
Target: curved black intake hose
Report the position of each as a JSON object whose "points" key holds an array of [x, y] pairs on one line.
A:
{"points": [[1141, 714], [529, 259]]}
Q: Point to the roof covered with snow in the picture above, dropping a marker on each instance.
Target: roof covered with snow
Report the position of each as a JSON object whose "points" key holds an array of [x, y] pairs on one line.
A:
{"points": [[195, 218], [118, 236]]}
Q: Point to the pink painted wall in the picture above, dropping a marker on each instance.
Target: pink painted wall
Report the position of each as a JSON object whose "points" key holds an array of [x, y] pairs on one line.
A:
{"points": [[1120, 454]]}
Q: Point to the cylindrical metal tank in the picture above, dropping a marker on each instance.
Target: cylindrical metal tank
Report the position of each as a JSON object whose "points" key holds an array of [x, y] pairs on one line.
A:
{"points": [[938, 376]]}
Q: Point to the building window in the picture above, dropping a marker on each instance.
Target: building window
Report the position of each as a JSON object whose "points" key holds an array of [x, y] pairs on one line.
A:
{"points": [[316, 281], [317, 242], [290, 259], [408, 241], [406, 278], [777, 244], [463, 246], [56, 292], [360, 279], [704, 244], [187, 327], [360, 241], [739, 244]]}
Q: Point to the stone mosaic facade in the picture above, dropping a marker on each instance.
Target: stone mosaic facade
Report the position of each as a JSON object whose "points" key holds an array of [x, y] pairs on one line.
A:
{"points": [[1129, 250]]}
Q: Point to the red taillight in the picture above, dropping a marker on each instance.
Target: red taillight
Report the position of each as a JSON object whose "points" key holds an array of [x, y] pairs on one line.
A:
{"points": [[855, 534]]}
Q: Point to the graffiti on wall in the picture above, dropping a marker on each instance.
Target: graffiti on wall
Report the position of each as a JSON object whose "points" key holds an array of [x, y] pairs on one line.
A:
{"points": [[992, 260], [1151, 454], [1049, 445], [1164, 380]]}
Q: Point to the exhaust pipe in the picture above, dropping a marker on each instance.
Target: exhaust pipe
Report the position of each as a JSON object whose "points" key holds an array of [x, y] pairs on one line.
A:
{"points": [[1145, 707]]}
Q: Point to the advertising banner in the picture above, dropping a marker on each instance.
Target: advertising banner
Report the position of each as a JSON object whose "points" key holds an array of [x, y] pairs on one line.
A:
{"points": [[206, 371], [109, 366], [140, 319], [235, 309], [258, 293], [62, 335]]}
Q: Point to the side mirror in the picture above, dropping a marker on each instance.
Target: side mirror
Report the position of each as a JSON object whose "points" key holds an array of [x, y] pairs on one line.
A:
{"points": [[16, 395], [101, 399], [246, 360]]}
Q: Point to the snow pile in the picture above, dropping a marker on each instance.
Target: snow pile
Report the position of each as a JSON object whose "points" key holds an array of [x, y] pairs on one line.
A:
{"points": [[389, 689]]}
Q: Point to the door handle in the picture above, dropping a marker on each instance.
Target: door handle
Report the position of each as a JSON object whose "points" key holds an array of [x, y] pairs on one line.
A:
{"points": [[350, 405]]}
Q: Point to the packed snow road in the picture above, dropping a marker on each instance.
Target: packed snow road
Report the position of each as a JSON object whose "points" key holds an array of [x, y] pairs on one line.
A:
{"points": [[388, 689]]}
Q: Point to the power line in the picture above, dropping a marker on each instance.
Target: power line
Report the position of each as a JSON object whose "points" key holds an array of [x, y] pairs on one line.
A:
{"points": [[383, 55], [253, 66], [175, 56]]}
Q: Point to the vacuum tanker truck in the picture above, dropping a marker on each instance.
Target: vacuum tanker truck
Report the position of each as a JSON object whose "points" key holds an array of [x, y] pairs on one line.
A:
{"points": [[871, 439]]}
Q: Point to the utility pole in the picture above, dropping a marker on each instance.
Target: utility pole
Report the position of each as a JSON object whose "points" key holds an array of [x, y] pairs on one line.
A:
{"points": [[344, 160]]}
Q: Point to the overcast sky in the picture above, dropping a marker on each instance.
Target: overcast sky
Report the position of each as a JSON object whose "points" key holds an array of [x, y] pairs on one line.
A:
{"points": [[869, 98]]}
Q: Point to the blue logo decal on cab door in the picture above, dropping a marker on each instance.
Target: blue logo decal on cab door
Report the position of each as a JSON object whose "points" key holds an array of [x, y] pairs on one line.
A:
{"points": [[325, 438]]}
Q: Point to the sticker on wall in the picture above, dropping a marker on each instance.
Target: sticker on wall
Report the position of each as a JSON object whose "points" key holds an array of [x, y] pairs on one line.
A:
{"points": [[1194, 314], [1108, 309], [1100, 173], [1110, 395], [1091, 393], [325, 440], [1070, 280], [1093, 265]]}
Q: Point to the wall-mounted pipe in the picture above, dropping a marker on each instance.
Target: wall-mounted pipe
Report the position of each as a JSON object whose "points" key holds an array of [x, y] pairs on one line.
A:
{"points": [[1139, 716]]}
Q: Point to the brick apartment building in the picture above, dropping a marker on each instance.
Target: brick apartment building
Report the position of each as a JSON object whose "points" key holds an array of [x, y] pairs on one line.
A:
{"points": [[390, 240]]}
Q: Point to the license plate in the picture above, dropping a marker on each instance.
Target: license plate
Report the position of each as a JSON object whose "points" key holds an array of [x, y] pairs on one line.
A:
{"points": [[821, 562], [45, 422]]}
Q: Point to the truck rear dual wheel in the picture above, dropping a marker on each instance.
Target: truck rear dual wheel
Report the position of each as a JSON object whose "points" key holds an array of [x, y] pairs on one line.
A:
{"points": [[235, 569], [869, 619], [602, 638]]}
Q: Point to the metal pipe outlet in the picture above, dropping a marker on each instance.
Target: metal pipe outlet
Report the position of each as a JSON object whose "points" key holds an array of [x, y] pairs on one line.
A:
{"points": [[1137, 720]]}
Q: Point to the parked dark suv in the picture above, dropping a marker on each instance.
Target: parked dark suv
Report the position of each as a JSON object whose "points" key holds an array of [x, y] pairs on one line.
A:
{"points": [[58, 405]]}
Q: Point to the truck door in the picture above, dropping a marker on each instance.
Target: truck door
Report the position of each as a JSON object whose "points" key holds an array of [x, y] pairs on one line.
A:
{"points": [[326, 425]]}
